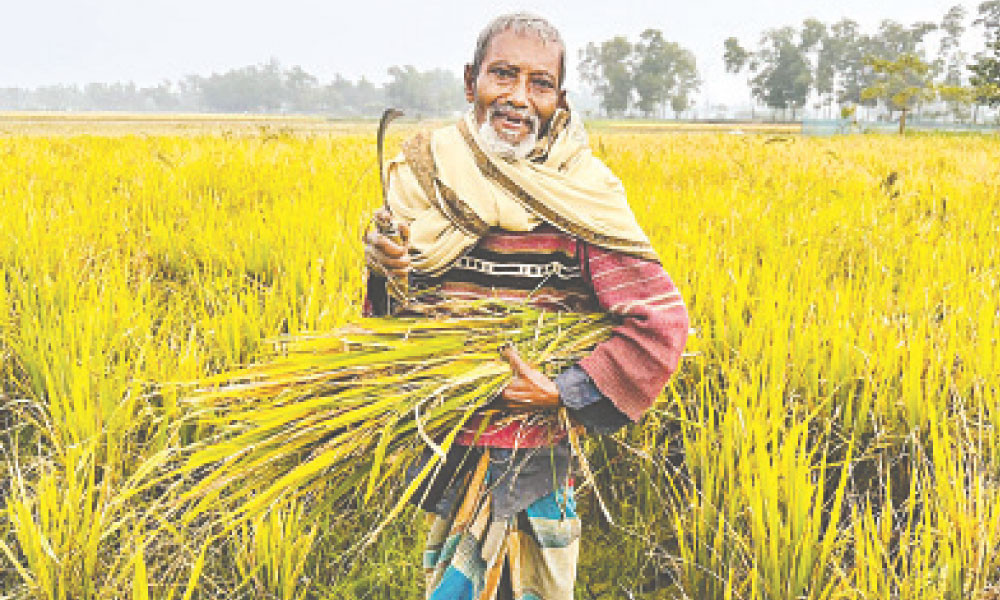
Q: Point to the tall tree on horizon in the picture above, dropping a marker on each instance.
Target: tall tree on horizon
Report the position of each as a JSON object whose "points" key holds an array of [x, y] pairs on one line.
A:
{"points": [[435, 92], [901, 84], [812, 41], [985, 70], [649, 75], [781, 74], [834, 60], [688, 81], [737, 58], [840, 39], [663, 73], [949, 66], [607, 68], [951, 58]]}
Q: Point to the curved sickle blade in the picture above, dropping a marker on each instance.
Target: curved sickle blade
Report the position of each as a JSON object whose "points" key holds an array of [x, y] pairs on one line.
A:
{"points": [[383, 124]]}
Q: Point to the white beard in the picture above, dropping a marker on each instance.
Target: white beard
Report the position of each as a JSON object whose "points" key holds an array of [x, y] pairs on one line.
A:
{"points": [[494, 144]]}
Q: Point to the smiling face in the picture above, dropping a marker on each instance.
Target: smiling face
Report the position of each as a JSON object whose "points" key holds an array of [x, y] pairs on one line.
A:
{"points": [[516, 89]]}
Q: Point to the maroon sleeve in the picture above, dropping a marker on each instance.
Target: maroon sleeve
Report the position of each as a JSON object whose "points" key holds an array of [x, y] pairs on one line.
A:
{"points": [[632, 367]]}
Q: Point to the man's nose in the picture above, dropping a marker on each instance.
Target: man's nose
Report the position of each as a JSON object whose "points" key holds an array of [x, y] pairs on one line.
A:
{"points": [[519, 95]]}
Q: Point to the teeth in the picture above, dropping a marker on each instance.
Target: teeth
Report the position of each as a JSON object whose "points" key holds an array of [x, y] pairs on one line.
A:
{"points": [[511, 122]]}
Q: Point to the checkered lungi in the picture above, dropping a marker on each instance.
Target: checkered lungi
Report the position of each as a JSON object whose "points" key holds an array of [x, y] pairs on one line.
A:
{"points": [[466, 551]]}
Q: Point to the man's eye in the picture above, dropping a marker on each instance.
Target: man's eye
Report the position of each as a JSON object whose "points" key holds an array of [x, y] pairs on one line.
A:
{"points": [[543, 83], [504, 73]]}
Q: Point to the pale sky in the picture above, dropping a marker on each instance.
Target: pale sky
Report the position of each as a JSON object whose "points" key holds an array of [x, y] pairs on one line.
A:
{"points": [[79, 41]]}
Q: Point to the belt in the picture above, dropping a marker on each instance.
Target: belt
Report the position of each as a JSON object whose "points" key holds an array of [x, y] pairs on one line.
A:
{"points": [[560, 270]]}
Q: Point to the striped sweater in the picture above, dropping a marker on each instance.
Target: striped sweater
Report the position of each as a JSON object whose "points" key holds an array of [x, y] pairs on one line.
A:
{"points": [[552, 270]]}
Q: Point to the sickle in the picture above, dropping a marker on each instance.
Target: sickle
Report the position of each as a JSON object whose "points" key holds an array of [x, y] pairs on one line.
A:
{"points": [[383, 124], [397, 290]]}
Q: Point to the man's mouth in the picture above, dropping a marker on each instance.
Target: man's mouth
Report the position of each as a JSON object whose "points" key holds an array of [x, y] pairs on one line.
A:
{"points": [[513, 125]]}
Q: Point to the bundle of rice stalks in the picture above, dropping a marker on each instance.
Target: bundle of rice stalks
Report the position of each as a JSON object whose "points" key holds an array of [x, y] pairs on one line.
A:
{"points": [[335, 416]]}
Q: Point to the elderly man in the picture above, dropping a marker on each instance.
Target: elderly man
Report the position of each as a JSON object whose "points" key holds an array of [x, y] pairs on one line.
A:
{"points": [[510, 204]]}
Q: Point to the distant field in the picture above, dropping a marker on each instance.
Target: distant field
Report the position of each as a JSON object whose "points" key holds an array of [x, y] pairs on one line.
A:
{"points": [[67, 123], [100, 123], [642, 126]]}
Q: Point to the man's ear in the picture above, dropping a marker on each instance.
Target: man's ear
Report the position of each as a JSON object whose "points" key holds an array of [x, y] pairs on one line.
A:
{"points": [[470, 84], [562, 100]]}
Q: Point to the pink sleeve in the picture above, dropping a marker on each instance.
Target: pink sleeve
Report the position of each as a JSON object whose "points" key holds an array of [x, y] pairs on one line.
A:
{"points": [[633, 366]]}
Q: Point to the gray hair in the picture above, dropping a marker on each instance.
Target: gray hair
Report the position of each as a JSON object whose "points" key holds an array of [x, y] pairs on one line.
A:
{"points": [[521, 23]]}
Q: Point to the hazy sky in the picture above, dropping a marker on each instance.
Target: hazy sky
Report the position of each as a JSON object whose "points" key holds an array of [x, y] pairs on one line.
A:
{"points": [[78, 41]]}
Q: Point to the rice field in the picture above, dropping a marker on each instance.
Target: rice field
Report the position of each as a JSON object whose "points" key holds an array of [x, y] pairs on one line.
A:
{"points": [[832, 434]]}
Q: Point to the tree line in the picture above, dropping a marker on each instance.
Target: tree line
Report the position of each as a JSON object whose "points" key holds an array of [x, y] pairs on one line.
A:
{"points": [[842, 67], [832, 68], [263, 88], [648, 76]]}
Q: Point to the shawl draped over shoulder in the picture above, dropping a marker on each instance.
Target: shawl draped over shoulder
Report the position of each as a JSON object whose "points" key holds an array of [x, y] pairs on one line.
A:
{"points": [[451, 192]]}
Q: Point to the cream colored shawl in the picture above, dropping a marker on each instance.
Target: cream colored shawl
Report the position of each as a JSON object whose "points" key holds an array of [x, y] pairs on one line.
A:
{"points": [[451, 192]]}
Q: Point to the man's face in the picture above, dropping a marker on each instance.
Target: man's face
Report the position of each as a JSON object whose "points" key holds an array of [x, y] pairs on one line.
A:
{"points": [[518, 80]]}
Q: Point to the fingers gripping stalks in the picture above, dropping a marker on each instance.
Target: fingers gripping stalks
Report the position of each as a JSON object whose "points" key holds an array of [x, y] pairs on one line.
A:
{"points": [[387, 253], [529, 389]]}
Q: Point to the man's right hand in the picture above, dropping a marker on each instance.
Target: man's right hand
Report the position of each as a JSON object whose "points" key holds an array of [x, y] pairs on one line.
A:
{"points": [[384, 256]]}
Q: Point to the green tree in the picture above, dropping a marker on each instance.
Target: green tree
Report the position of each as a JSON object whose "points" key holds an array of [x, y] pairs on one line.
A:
{"points": [[830, 57], [847, 55], [812, 35], [901, 84], [435, 92], [366, 99], [687, 81], [301, 89], [607, 68], [785, 76], [951, 59], [663, 72], [735, 56], [812, 40], [737, 59], [781, 73], [255, 88], [958, 98], [653, 75], [892, 42], [406, 89], [985, 70], [894, 39], [950, 63], [333, 97], [842, 71]]}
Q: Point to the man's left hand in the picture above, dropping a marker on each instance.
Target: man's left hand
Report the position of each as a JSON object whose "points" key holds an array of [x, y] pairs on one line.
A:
{"points": [[530, 389]]}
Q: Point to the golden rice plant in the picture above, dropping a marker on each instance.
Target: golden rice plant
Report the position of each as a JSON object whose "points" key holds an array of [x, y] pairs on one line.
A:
{"points": [[832, 435]]}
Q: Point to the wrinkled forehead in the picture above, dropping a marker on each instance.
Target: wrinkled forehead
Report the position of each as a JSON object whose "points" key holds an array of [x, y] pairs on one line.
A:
{"points": [[525, 50], [521, 23]]}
